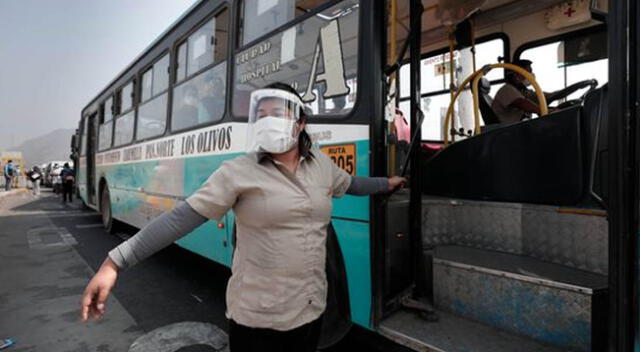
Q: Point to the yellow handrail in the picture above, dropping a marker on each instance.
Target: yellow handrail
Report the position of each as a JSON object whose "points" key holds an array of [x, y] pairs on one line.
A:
{"points": [[476, 76]]}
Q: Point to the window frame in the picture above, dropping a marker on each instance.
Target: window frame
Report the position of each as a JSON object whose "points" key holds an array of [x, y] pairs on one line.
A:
{"points": [[134, 97], [134, 108], [239, 16], [169, 51], [311, 119], [101, 111], [486, 38], [173, 82], [560, 37], [185, 38], [83, 135], [481, 40]]}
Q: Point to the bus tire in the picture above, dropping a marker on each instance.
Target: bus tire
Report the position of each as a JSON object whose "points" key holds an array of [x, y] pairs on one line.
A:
{"points": [[110, 224]]}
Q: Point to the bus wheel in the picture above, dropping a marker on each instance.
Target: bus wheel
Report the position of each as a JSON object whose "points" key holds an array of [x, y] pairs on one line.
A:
{"points": [[105, 209]]}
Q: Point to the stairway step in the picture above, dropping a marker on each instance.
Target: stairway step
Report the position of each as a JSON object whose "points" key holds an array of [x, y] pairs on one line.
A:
{"points": [[546, 302]]}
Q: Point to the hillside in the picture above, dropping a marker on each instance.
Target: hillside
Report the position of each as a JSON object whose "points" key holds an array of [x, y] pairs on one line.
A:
{"points": [[54, 145]]}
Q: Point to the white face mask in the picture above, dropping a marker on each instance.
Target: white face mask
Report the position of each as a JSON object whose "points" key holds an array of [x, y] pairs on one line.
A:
{"points": [[526, 82], [275, 134]]}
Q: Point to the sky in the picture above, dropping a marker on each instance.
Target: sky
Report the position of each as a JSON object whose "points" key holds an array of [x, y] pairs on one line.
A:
{"points": [[55, 55]]}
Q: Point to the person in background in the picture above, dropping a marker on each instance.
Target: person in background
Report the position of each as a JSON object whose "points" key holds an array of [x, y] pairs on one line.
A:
{"points": [[402, 129], [67, 176], [281, 193], [515, 101], [34, 176], [9, 170], [211, 103]]}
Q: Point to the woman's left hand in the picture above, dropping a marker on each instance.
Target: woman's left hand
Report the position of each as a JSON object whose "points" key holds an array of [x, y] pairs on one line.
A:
{"points": [[396, 182]]}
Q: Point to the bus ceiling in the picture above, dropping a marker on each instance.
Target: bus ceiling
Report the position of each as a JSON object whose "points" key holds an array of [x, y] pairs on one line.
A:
{"points": [[439, 16]]}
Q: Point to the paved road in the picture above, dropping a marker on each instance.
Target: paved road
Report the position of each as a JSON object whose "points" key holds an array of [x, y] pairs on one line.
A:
{"points": [[49, 251]]}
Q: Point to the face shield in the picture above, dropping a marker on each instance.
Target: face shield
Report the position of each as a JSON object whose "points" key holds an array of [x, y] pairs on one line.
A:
{"points": [[273, 121]]}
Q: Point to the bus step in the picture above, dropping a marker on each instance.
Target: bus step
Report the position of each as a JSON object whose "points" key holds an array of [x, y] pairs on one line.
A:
{"points": [[454, 334], [551, 303]]}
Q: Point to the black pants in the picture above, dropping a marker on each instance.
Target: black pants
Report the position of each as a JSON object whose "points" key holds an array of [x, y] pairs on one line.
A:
{"points": [[301, 339], [67, 189]]}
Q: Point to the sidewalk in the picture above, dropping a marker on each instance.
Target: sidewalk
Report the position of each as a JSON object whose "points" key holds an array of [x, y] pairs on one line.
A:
{"points": [[42, 281], [14, 191]]}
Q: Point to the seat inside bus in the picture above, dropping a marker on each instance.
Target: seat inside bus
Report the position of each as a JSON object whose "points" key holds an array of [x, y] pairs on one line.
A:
{"points": [[485, 99], [559, 159]]}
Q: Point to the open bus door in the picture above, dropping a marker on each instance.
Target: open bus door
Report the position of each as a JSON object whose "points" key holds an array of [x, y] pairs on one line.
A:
{"points": [[624, 175], [612, 311], [91, 151]]}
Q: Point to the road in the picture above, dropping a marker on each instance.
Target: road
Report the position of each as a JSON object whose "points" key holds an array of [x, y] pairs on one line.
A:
{"points": [[48, 252]]}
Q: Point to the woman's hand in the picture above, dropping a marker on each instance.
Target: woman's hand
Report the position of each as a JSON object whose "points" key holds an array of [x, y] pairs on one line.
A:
{"points": [[98, 289], [396, 182]]}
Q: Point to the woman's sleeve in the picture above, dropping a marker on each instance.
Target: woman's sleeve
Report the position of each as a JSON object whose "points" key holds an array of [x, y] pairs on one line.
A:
{"points": [[217, 195], [362, 186], [159, 233]]}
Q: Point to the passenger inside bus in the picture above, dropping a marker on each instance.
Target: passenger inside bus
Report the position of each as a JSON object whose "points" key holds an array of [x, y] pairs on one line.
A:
{"points": [[187, 113], [515, 101], [211, 98]]}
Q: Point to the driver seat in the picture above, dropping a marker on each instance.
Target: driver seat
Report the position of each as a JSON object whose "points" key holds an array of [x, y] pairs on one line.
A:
{"points": [[488, 116]]}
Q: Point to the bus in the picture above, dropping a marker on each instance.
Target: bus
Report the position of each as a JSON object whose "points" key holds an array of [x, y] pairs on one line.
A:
{"points": [[509, 236]]}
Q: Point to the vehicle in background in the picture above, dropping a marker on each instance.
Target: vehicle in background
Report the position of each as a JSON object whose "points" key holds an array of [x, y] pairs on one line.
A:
{"points": [[52, 173]]}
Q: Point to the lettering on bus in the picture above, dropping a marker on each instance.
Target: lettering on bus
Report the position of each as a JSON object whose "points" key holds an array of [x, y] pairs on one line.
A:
{"points": [[328, 44], [343, 155], [108, 158], [327, 64], [206, 141], [161, 149], [254, 52], [261, 71], [131, 154]]}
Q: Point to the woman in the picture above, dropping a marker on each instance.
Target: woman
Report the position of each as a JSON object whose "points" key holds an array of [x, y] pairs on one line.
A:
{"points": [[34, 176], [280, 192]]}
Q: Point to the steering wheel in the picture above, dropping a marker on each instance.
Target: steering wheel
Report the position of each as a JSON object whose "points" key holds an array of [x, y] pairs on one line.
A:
{"points": [[591, 83]]}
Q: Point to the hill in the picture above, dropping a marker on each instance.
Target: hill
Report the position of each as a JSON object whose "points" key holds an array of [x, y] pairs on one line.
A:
{"points": [[54, 145]]}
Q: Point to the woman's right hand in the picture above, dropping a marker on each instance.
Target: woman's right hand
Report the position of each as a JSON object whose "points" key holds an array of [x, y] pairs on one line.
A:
{"points": [[97, 291]]}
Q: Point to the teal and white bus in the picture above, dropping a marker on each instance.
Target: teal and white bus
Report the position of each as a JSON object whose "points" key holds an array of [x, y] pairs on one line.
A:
{"points": [[517, 236]]}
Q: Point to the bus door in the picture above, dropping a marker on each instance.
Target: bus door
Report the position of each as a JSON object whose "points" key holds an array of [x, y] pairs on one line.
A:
{"points": [[91, 150]]}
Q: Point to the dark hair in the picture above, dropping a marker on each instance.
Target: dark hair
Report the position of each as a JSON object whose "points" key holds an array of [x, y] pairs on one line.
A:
{"points": [[66, 165], [304, 140], [522, 63], [10, 161]]}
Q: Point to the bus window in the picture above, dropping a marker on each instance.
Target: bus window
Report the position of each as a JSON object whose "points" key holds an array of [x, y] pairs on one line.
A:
{"points": [[264, 16], [126, 97], [83, 138], [181, 65], [200, 48], [152, 113], [124, 129], [318, 57], [146, 86], [106, 125], [200, 99], [564, 62], [435, 80]]}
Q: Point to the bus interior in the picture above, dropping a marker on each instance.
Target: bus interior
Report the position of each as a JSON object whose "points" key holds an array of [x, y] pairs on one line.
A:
{"points": [[513, 252]]}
